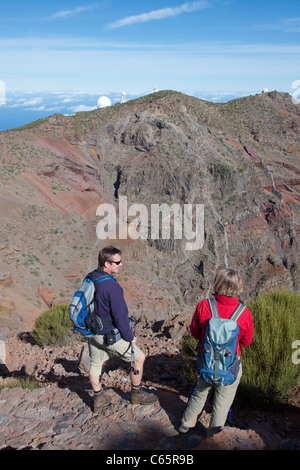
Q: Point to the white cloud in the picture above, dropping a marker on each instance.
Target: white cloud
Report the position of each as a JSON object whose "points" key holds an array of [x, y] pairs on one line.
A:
{"points": [[287, 25], [40, 108], [292, 25], [169, 66], [33, 102], [75, 11], [159, 14], [82, 46], [24, 102], [82, 107]]}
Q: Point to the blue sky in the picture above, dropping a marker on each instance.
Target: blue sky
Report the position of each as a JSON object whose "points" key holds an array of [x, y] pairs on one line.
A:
{"points": [[216, 47]]}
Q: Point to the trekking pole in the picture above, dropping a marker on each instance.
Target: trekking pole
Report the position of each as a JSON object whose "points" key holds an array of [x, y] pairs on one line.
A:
{"points": [[132, 359]]}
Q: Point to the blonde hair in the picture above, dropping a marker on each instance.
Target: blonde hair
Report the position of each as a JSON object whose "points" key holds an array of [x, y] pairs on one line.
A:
{"points": [[227, 282]]}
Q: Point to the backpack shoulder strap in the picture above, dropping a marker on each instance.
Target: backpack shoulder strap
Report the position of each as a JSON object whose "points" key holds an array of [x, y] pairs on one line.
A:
{"points": [[88, 276], [103, 278], [96, 280], [213, 307], [238, 312]]}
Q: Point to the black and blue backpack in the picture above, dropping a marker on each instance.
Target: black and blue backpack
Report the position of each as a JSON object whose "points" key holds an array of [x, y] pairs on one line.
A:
{"points": [[82, 307], [218, 363]]}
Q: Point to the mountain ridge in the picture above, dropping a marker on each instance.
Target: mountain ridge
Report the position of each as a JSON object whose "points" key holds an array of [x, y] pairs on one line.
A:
{"points": [[240, 159]]}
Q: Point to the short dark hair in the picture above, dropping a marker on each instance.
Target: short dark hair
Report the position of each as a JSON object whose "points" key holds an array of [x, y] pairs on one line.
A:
{"points": [[106, 254]]}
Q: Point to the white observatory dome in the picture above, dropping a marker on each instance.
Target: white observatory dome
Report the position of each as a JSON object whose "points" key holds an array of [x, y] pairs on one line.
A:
{"points": [[103, 101]]}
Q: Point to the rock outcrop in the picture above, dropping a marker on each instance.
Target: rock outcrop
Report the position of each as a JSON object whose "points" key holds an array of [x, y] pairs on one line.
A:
{"points": [[59, 415]]}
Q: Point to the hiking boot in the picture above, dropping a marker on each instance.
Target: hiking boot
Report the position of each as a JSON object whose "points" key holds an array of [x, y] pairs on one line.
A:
{"points": [[141, 397], [214, 430], [101, 401], [183, 429]]}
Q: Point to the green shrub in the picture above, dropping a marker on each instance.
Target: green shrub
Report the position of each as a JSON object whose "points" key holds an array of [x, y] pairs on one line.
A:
{"points": [[268, 370], [22, 382], [53, 327], [189, 345]]}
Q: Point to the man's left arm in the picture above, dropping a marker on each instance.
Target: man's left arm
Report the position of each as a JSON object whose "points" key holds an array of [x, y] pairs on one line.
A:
{"points": [[119, 312]]}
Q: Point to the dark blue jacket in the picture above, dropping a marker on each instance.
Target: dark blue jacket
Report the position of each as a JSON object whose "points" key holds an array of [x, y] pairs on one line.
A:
{"points": [[110, 305]]}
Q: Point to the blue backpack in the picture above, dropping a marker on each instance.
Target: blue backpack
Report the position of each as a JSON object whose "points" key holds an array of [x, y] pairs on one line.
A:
{"points": [[82, 307], [218, 363]]}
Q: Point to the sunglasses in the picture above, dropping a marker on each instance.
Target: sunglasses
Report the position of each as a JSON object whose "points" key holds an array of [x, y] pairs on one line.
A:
{"points": [[115, 262]]}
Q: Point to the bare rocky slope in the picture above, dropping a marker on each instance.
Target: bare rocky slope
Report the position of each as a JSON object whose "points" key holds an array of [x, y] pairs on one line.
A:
{"points": [[240, 159], [59, 416]]}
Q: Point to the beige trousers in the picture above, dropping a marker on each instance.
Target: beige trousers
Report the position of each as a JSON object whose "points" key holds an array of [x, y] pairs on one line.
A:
{"points": [[223, 398]]}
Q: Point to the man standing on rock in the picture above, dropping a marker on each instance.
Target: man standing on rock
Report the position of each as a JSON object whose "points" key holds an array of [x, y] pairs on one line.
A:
{"points": [[110, 305]]}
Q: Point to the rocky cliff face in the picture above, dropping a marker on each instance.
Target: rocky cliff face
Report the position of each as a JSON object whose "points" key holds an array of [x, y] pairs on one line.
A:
{"points": [[239, 159]]}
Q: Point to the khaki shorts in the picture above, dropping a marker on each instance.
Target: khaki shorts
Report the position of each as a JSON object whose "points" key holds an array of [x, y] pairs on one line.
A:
{"points": [[100, 352]]}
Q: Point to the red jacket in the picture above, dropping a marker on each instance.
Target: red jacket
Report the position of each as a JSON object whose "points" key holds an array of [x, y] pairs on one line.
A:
{"points": [[226, 307]]}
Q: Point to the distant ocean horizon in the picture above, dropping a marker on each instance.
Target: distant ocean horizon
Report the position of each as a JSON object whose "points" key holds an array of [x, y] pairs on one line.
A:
{"points": [[24, 107]]}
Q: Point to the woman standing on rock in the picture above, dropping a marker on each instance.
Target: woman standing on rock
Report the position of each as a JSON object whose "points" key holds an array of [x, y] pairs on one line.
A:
{"points": [[227, 289]]}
